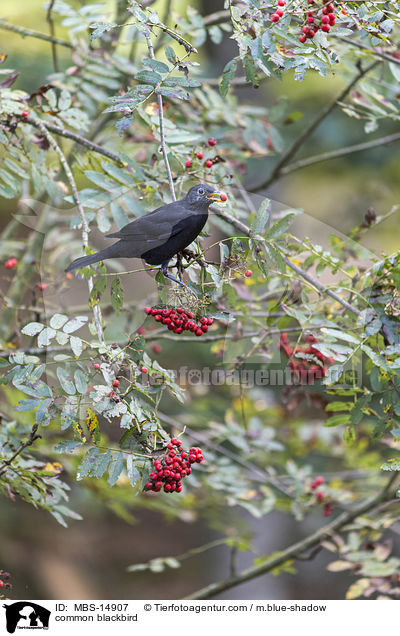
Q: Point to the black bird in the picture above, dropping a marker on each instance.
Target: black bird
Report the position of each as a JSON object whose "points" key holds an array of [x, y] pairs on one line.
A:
{"points": [[161, 234]]}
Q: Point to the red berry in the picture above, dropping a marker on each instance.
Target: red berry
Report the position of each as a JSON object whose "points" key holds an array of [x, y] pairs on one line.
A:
{"points": [[274, 17], [223, 196], [332, 19], [310, 20], [320, 496], [158, 318], [156, 348], [248, 273], [302, 38], [212, 141], [279, 12], [305, 29], [331, 7], [141, 331], [210, 321], [311, 33], [326, 28], [147, 310], [25, 115], [96, 366], [188, 164], [199, 155], [144, 369], [328, 507], [204, 328], [12, 262], [209, 163], [325, 19], [148, 485], [116, 383], [318, 481], [281, 3], [199, 332]]}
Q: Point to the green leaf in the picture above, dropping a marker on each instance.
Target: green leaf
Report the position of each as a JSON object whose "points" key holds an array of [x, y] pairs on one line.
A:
{"points": [[65, 381], [58, 320], [76, 345], [227, 76], [117, 294], [115, 468], [32, 329], [74, 324], [280, 227], [170, 55], [148, 77], [262, 217], [337, 420], [80, 381], [97, 291]]}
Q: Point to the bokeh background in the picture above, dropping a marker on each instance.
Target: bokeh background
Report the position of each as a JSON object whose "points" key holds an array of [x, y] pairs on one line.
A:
{"points": [[89, 559]]}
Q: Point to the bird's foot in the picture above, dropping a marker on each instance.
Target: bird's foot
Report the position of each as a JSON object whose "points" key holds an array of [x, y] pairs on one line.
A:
{"points": [[166, 274]]}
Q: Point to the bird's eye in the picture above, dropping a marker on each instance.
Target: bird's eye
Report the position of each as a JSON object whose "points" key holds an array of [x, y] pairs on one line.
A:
{"points": [[201, 191]]}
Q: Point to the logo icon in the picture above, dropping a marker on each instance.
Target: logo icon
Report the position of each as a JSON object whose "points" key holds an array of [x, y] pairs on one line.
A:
{"points": [[26, 615]]}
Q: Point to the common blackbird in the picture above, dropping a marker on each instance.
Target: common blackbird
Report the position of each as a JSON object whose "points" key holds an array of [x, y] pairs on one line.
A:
{"points": [[161, 234]]}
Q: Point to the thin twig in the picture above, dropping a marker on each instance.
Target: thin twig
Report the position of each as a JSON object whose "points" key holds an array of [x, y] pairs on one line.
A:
{"points": [[49, 19], [31, 439], [298, 548], [308, 130], [85, 225], [34, 34], [161, 120], [340, 152]]}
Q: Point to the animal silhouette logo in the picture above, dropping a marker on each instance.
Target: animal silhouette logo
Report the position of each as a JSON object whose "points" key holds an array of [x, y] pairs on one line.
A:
{"points": [[26, 615]]}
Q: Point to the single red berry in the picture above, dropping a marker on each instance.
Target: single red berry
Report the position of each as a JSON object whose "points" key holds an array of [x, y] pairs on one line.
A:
{"points": [[249, 273], [302, 38], [204, 328], [158, 318], [318, 481], [147, 310], [148, 485], [331, 7], [96, 366], [42, 286], [325, 19], [326, 28], [281, 3], [274, 17], [305, 29], [12, 262], [310, 19], [156, 348], [311, 33], [212, 141], [223, 196], [279, 12], [209, 163], [199, 332], [325, 10], [332, 19], [141, 331], [144, 369], [328, 507], [188, 163], [116, 383], [25, 115], [210, 321], [199, 155], [320, 496]]}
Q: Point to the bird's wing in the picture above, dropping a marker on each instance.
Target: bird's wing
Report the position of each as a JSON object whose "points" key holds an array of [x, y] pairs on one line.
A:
{"points": [[155, 227]]}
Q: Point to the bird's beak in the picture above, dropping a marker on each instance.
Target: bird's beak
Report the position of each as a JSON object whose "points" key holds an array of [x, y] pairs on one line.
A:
{"points": [[220, 197]]}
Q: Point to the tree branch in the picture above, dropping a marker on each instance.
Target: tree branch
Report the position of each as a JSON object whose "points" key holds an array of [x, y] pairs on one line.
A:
{"points": [[34, 34], [340, 152], [49, 19], [306, 132], [299, 547], [85, 226], [31, 439], [161, 120]]}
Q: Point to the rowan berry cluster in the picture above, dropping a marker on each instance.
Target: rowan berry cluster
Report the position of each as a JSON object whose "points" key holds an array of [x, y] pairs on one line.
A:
{"points": [[200, 156], [275, 17], [320, 495], [4, 582], [179, 319], [308, 369], [319, 16], [175, 466], [12, 262]]}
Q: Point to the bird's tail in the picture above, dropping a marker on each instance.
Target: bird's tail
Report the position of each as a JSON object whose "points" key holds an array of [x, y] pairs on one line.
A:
{"points": [[84, 261]]}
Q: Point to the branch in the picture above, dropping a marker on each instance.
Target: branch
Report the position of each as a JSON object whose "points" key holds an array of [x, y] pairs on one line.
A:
{"points": [[85, 226], [314, 282], [305, 134], [34, 34], [90, 145], [298, 548], [340, 152], [365, 47], [31, 439], [161, 120], [49, 19]]}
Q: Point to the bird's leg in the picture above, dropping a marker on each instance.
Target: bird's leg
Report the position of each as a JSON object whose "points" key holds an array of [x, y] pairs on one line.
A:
{"points": [[165, 272], [179, 265]]}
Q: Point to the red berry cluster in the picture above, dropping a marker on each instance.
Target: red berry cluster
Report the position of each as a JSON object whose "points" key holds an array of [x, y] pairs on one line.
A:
{"points": [[320, 495], [319, 17], [304, 371], [275, 17], [200, 155], [12, 262], [4, 584], [177, 464], [179, 319]]}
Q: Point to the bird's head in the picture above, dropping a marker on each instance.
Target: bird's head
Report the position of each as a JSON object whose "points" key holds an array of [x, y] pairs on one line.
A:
{"points": [[204, 195]]}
